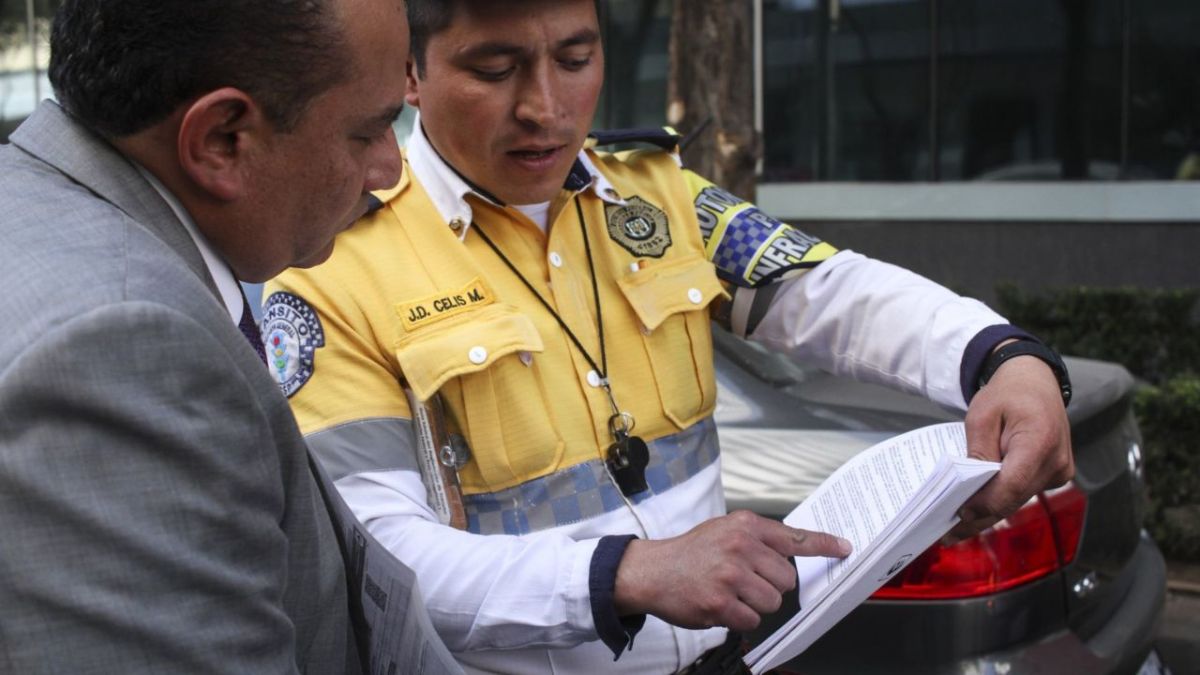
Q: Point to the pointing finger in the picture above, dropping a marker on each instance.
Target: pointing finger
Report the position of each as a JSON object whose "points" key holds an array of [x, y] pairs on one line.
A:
{"points": [[791, 541]]}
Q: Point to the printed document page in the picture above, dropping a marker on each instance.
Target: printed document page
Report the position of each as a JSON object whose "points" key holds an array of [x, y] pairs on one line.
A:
{"points": [[392, 627], [892, 501]]}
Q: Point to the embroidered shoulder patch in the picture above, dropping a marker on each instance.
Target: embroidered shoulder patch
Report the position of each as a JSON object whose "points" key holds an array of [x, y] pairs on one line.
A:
{"points": [[292, 334], [639, 227]]}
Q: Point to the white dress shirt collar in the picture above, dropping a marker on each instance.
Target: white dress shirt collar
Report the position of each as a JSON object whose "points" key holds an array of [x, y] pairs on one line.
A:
{"points": [[227, 285]]}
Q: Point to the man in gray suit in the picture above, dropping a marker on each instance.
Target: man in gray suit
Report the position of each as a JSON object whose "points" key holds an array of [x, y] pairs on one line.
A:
{"points": [[157, 509]]}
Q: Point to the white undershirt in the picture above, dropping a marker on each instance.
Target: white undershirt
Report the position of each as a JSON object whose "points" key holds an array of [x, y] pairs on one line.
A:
{"points": [[538, 213]]}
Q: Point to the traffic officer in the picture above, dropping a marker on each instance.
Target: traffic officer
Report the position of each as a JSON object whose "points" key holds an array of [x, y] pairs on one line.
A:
{"points": [[556, 300]]}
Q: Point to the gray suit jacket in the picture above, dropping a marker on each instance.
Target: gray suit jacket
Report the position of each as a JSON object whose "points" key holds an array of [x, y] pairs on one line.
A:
{"points": [[157, 512]]}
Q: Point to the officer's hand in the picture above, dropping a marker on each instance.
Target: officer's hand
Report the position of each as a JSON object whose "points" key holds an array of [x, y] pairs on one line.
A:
{"points": [[1017, 419], [724, 572]]}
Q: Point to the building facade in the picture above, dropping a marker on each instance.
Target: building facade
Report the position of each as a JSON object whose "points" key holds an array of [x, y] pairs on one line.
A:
{"points": [[1041, 142]]}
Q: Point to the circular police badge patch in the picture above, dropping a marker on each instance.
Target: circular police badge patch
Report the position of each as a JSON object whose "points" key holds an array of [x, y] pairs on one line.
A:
{"points": [[291, 334], [639, 227]]}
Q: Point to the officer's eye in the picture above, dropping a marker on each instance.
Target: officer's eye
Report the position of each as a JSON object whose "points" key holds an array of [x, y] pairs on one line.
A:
{"points": [[576, 59], [491, 75]]}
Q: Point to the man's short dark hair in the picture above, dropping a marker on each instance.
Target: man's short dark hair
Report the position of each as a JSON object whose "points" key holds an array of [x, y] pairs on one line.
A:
{"points": [[427, 18], [121, 66]]}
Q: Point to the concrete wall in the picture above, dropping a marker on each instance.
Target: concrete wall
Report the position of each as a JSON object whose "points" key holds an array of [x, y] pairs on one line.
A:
{"points": [[971, 236], [972, 257]]}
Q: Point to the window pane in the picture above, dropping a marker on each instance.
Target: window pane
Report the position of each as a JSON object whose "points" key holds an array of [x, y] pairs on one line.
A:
{"points": [[1030, 89], [846, 89], [1164, 101], [636, 34], [22, 64], [880, 71], [1026, 89], [793, 108]]}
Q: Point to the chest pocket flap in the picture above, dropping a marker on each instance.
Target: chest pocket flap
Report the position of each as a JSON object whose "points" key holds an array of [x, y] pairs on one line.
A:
{"points": [[659, 291], [466, 344], [670, 300]]}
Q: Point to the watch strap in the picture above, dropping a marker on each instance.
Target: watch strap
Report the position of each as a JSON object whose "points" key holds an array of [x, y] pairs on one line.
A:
{"points": [[979, 349], [1029, 348]]}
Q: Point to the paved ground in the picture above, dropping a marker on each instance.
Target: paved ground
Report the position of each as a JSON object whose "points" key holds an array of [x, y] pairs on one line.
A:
{"points": [[1179, 637]]}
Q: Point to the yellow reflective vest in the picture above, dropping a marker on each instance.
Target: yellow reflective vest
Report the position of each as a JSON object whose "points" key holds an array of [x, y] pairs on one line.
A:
{"points": [[407, 297]]}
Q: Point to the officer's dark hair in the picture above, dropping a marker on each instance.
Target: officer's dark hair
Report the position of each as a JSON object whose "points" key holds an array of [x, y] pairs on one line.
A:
{"points": [[121, 66], [427, 18]]}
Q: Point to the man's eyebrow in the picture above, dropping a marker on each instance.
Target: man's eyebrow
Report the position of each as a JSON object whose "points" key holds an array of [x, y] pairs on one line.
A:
{"points": [[486, 49], [584, 36], [386, 117]]}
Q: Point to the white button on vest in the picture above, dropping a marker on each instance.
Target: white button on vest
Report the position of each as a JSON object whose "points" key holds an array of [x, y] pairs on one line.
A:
{"points": [[695, 296], [526, 358], [593, 378], [477, 355], [555, 259]]}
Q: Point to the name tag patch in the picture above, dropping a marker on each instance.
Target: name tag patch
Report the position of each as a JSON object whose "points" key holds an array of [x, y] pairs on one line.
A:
{"points": [[444, 305]]}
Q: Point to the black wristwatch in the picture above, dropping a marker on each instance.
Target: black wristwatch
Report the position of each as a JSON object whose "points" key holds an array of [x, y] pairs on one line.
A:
{"points": [[1031, 348]]}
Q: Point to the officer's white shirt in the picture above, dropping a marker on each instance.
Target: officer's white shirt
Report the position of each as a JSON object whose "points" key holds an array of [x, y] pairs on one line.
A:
{"points": [[524, 604]]}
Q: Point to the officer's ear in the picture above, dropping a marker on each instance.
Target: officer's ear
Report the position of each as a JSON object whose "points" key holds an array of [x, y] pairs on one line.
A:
{"points": [[218, 137], [412, 94]]}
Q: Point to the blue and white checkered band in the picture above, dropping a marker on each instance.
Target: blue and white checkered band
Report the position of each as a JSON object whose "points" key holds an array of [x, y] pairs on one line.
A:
{"points": [[743, 237], [741, 253], [584, 491], [291, 334]]}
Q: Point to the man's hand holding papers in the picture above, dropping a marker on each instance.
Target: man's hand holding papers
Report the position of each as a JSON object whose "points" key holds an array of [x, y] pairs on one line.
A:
{"points": [[892, 501]]}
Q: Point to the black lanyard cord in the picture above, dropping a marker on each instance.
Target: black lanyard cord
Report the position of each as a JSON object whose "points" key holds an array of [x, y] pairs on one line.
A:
{"points": [[627, 457], [601, 370]]}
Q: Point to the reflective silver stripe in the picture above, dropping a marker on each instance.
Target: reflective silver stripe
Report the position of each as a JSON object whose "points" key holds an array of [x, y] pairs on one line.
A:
{"points": [[585, 491], [375, 444], [759, 306]]}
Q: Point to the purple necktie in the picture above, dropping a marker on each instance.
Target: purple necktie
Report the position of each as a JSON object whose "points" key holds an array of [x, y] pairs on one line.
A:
{"points": [[250, 329]]}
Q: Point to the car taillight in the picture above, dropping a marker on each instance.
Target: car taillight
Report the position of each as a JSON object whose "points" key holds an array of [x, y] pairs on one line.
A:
{"points": [[1067, 506], [1038, 539]]}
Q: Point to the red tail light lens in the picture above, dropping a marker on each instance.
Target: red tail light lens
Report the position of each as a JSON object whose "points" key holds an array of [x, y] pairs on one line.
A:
{"points": [[1067, 506], [1038, 539]]}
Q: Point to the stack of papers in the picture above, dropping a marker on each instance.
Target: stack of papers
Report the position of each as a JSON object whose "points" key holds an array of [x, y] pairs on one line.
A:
{"points": [[892, 501]]}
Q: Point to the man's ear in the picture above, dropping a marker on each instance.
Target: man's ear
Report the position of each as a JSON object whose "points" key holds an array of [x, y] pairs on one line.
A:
{"points": [[218, 136], [412, 94]]}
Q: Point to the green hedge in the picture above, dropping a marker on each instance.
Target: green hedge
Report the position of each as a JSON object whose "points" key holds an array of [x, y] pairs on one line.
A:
{"points": [[1169, 417], [1156, 335], [1152, 332]]}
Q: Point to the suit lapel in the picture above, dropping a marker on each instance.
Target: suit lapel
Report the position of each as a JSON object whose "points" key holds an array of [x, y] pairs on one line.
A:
{"points": [[52, 136]]}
